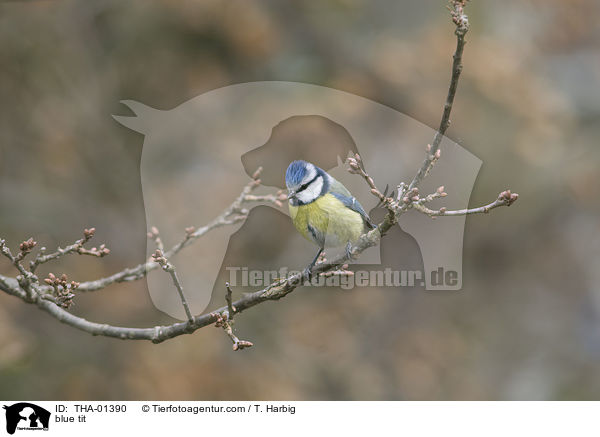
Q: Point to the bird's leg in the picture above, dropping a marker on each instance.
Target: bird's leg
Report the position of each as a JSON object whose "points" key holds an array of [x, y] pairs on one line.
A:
{"points": [[314, 261], [307, 270], [349, 250]]}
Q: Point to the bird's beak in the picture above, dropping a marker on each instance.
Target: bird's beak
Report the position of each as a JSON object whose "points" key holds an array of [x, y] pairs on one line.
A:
{"points": [[291, 194]]}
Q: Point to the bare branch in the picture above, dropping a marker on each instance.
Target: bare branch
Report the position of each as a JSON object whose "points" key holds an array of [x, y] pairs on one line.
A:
{"points": [[438, 193], [227, 325], [11, 286], [159, 258], [225, 321], [274, 291], [15, 260], [234, 213], [461, 22], [275, 199], [230, 307], [57, 294], [26, 278], [356, 166], [76, 247], [24, 248], [154, 235], [505, 198]]}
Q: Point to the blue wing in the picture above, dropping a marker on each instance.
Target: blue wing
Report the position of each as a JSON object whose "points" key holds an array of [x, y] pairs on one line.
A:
{"points": [[343, 195]]}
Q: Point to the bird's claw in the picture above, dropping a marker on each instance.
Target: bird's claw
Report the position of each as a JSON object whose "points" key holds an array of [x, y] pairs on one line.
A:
{"points": [[349, 254], [306, 274]]}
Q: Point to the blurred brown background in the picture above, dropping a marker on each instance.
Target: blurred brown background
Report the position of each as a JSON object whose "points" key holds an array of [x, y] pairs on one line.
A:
{"points": [[526, 324]]}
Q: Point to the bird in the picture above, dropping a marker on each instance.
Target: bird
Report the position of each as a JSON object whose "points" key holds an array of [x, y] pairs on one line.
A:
{"points": [[322, 209]]}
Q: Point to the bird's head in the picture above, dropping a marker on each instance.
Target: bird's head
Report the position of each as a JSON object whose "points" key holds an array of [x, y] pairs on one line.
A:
{"points": [[305, 182]]}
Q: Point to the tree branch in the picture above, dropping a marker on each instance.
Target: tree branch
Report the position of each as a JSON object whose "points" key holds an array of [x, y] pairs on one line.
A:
{"points": [[58, 291], [225, 321], [461, 22], [159, 334], [76, 247], [234, 213], [505, 198], [159, 258]]}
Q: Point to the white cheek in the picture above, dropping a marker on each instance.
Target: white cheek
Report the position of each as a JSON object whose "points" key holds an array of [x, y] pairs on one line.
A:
{"points": [[312, 191], [311, 172]]}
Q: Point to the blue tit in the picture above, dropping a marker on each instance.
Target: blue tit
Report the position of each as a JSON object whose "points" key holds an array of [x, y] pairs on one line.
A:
{"points": [[322, 209]]}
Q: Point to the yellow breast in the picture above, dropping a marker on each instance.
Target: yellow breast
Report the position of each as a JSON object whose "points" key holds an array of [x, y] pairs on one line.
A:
{"points": [[327, 222]]}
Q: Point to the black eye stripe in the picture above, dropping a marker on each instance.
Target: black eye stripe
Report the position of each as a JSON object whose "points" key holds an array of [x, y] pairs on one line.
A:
{"points": [[305, 186]]}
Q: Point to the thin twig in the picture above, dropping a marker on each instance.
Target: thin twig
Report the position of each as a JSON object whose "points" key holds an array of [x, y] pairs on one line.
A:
{"points": [[505, 198], [76, 247], [15, 260], [228, 298], [154, 235], [438, 193], [159, 258], [227, 324], [26, 279], [356, 166], [461, 22], [224, 319]]}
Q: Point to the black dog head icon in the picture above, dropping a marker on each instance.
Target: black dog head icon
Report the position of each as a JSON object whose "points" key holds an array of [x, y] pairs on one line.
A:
{"points": [[27, 415]]}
